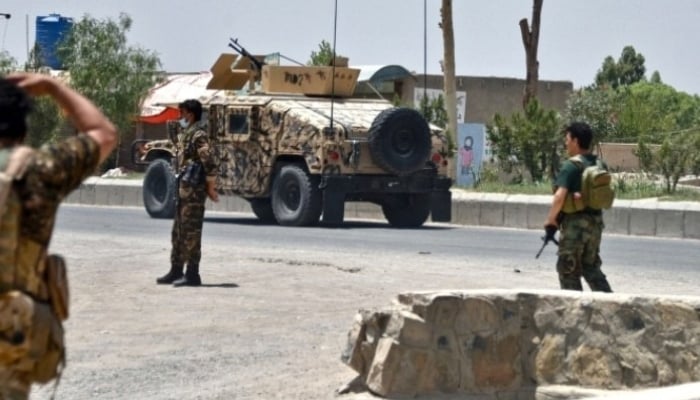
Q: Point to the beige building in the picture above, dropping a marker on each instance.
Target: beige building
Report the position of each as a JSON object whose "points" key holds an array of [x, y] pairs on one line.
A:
{"points": [[483, 96]]}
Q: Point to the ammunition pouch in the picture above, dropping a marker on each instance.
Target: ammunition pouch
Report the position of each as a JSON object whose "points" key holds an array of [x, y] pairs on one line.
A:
{"points": [[194, 174], [31, 337], [572, 205], [57, 285]]}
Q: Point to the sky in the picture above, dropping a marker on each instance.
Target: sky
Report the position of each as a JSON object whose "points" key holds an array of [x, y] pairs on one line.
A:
{"points": [[575, 35]]}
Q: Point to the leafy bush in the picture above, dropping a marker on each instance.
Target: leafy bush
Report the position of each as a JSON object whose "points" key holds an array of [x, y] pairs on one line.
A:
{"points": [[532, 139]]}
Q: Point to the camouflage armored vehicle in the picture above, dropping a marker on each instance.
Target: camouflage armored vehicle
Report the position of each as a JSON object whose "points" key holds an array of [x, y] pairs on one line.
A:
{"points": [[296, 153]]}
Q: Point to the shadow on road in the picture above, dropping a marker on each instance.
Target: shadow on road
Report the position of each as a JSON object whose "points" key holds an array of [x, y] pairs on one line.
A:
{"points": [[351, 224], [216, 285]]}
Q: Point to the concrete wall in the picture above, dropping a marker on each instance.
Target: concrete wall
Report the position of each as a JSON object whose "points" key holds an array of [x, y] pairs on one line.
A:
{"points": [[487, 96]]}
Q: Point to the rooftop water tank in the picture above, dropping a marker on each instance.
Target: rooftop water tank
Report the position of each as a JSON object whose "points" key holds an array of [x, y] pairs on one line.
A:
{"points": [[49, 32]]}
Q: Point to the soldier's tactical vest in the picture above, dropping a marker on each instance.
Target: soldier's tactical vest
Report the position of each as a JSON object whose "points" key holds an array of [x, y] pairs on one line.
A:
{"points": [[33, 285]]}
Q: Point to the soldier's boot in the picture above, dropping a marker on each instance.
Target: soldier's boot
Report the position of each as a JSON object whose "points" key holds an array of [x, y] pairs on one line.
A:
{"points": [[174, 274], [191, 277]]}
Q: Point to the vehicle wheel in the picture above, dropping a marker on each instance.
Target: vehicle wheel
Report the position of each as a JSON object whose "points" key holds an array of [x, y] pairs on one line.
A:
{"points": [[262, 208], [159, 190], [296, 198], [399, 140], [408, 210]]}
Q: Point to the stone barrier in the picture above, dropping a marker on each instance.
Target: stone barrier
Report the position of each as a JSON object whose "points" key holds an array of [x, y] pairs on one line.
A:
{"points": [[506, 344]]}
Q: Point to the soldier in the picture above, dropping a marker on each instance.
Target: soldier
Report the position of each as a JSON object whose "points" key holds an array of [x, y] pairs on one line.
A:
{"points": [[33, 302], [580, 231], [196, 176]]}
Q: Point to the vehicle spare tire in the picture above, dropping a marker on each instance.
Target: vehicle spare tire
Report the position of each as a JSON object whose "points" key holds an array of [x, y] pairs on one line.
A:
{"points": [[399, 140], [159, 190]]}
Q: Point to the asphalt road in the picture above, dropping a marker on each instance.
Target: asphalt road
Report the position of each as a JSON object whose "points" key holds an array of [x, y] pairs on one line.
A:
{"points": [[271, 320], [656, 262]]}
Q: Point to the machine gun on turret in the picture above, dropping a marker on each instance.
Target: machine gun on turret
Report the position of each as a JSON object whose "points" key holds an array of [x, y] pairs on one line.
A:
{"points": [[256, 63]]}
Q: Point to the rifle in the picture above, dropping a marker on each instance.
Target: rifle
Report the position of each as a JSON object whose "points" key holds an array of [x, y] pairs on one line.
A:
{"points": [[549, 232], [257, 64]]}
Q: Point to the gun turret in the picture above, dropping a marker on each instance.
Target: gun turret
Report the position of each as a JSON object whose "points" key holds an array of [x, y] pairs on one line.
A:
{"points": [[256, 63]]}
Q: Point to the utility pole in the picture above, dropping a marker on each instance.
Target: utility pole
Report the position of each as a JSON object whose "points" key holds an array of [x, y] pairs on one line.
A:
{"points": [[7, 16], [448, 69]]}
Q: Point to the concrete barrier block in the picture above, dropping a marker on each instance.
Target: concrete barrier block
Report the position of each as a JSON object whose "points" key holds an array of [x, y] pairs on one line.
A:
{"points": [[116, 195], [617, 219], [73, 197], [466, 211], [491, 212], [133, 196], [692, 223], [368, 211], [643, 217], [515, 211], [670, 219], [87, 193], [537, 210], [220, 206]]}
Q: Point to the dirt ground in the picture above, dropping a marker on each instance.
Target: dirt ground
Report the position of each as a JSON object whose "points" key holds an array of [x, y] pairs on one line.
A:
{"points": [[266, 324]]}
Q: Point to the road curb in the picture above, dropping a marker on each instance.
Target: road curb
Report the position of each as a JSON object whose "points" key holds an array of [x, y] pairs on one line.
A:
{"points": [[646, 217]]}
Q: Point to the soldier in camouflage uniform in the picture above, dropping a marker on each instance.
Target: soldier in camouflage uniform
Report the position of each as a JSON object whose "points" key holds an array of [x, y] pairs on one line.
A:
{"points": [[196, 176], [580, 231], [27, 220]]}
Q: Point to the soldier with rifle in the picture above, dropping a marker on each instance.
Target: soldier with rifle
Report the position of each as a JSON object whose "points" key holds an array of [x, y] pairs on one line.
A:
{"points": [[580, 225], [196, 180]]}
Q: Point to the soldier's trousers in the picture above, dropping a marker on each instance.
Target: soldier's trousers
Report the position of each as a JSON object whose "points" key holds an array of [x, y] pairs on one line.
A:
{"points": [[579, 252], [187, 226]]}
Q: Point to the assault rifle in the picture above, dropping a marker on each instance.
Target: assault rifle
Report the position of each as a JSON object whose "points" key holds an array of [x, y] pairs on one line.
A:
{"points": [[549, 232], [257, 64]]}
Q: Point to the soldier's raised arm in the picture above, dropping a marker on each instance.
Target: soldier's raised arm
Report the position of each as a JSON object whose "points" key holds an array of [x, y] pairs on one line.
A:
{"points": [[86, 117]]}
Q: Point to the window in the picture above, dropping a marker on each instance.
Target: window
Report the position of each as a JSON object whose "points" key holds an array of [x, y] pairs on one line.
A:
{"points": [[238, 124]]}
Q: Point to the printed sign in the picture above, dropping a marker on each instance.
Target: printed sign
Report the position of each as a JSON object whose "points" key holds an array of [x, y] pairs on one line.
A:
{"points": [[471, 140]]}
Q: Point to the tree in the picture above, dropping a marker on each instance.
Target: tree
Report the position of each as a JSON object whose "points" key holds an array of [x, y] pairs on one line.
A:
{"points": [[448, 69], [7, 62], [676, 156], [324, 55], [531, 39], [433, 110], [628, 69], [114, 75], [532, 139], [598, 107]]}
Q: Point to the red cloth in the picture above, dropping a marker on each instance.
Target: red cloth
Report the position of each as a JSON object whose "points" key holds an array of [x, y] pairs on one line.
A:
{"points": [[166, 115]]}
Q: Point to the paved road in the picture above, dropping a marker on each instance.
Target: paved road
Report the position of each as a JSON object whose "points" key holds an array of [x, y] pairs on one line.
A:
{"points": [[656, 262], [272, 318]]}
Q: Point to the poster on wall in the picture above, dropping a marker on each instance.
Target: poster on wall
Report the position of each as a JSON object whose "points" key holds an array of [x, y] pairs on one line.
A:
{"points": [[471, 141], [434, 93]]}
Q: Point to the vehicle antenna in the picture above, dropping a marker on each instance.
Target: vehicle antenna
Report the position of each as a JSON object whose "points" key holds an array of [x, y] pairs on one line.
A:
{"points": [[335, 31]]}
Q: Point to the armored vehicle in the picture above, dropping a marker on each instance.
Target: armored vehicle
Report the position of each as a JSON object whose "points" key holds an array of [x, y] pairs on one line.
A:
{"points": [[297, 147]]}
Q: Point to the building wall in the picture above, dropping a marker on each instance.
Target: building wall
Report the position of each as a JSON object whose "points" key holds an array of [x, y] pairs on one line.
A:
{"points": [[487, 96]]}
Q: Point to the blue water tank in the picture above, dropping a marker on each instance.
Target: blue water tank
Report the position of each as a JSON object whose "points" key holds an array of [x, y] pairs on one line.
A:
{"points": [[49, 32]]}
